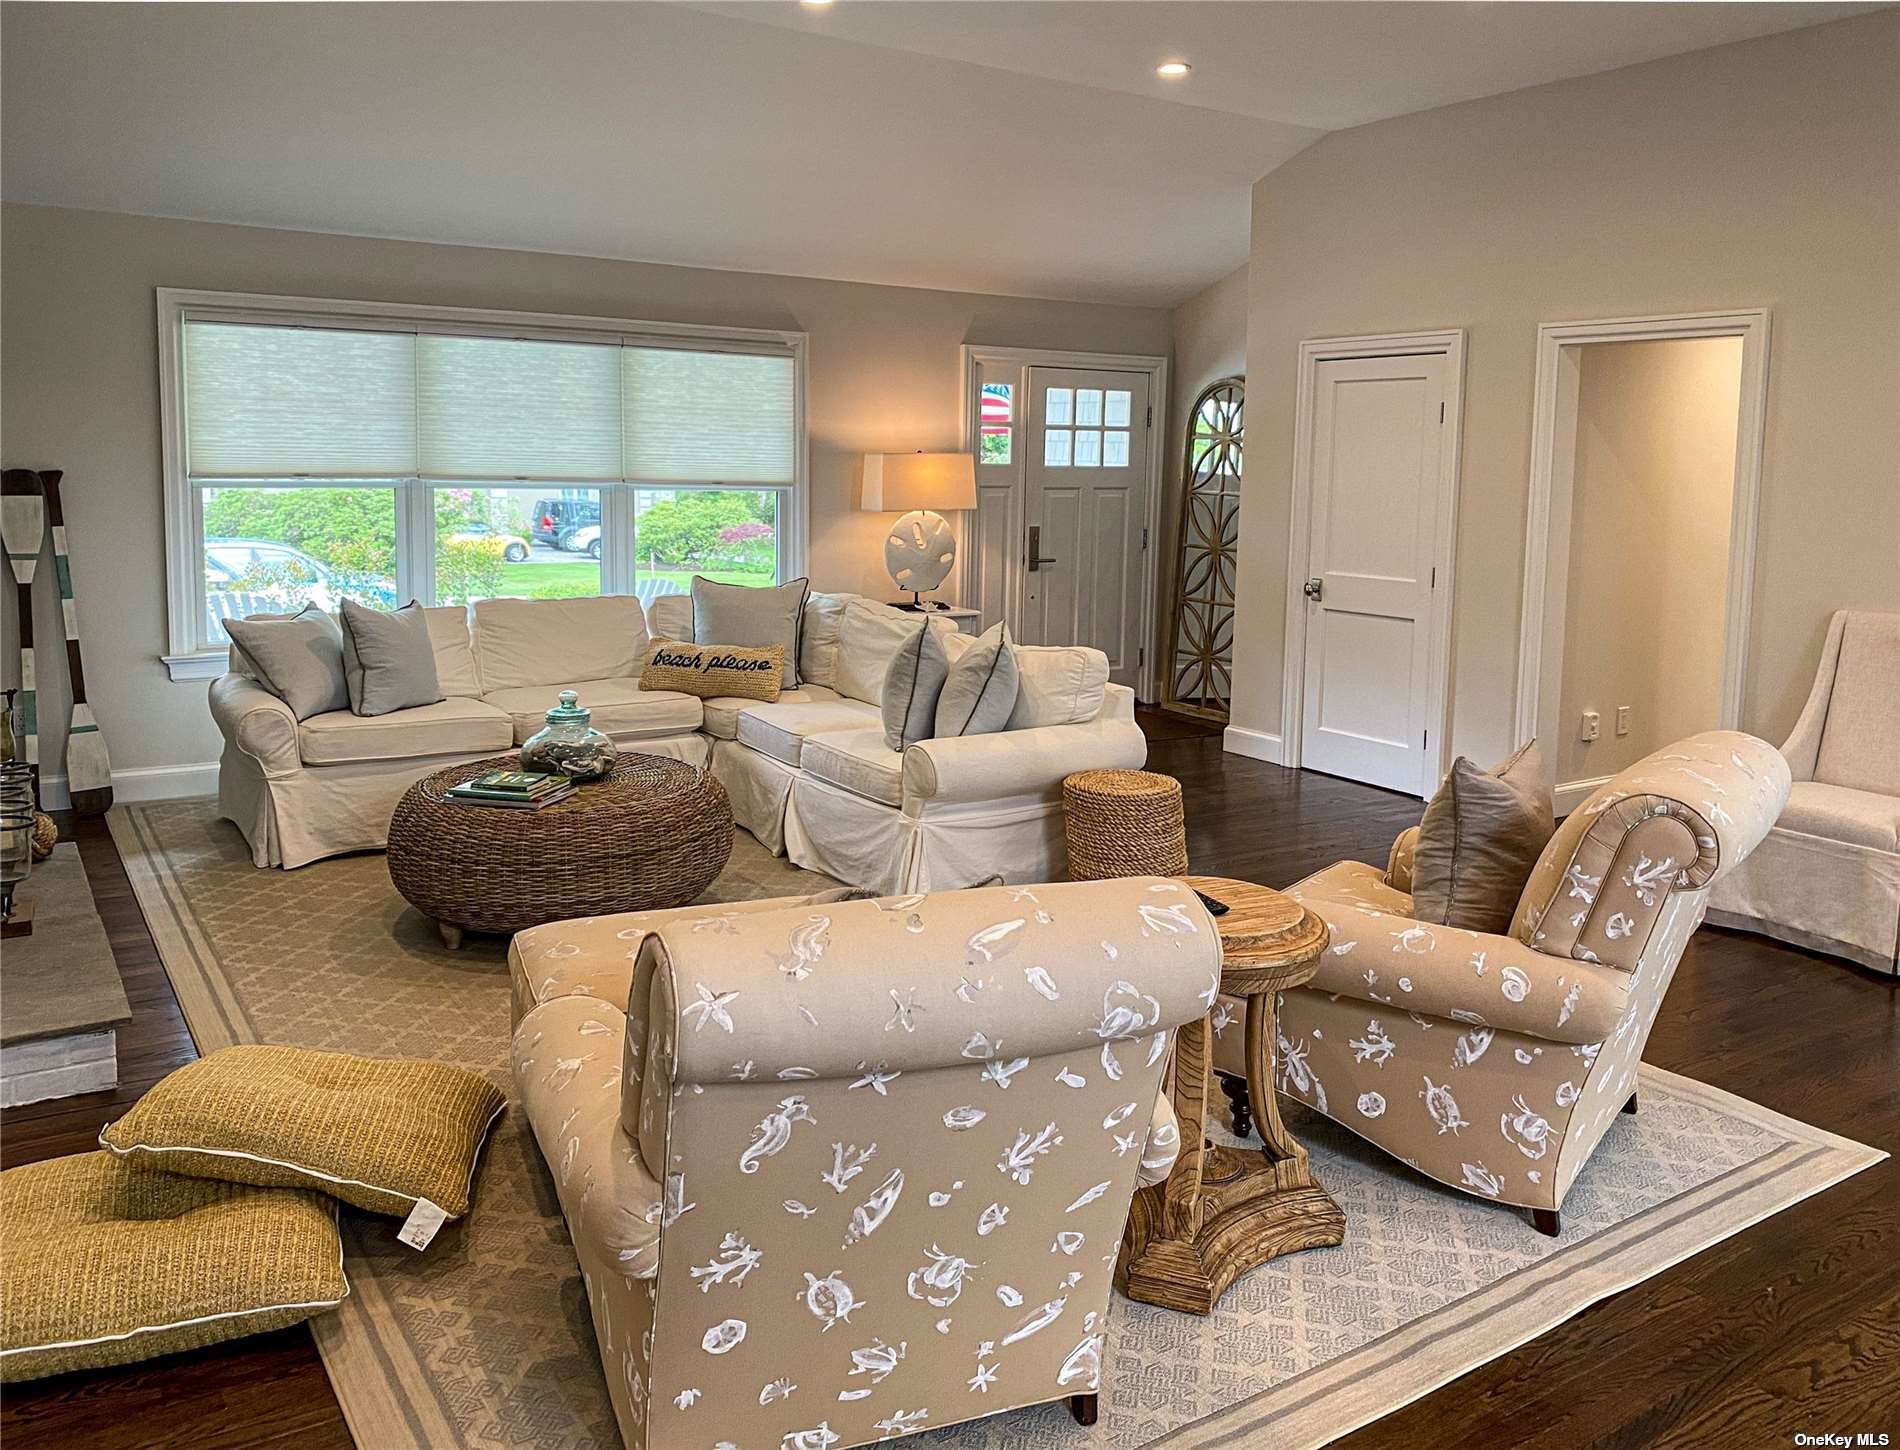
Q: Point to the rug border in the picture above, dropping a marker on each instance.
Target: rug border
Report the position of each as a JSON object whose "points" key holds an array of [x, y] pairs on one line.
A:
{"points": [[390, 1403]]}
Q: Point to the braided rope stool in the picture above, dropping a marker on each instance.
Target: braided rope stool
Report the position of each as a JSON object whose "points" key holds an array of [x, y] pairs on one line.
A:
{"points": [[1123, 823]]}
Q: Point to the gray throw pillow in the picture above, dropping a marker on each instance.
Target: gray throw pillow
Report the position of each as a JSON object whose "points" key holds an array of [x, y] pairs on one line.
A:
{"points": [[981, 688], [387, 658], [299, 659], [912, 684], [755, 618], [1479, 840]]}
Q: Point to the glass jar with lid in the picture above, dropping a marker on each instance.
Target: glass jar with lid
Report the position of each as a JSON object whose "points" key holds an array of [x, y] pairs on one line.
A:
{"points": [[568, 745]]}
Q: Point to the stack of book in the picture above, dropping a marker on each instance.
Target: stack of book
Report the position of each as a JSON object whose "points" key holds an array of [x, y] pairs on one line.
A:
{"points": [[521, 790]]}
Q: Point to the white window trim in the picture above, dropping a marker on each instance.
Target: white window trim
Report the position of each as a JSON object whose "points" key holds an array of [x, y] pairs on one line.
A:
{"points": [[184, 583]]}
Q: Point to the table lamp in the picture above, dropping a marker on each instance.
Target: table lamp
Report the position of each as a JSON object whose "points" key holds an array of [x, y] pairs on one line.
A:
{"points": [[920, 549]]}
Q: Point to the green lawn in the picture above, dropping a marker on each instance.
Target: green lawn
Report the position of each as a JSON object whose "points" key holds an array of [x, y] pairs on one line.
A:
{"points": [[572, 581]]}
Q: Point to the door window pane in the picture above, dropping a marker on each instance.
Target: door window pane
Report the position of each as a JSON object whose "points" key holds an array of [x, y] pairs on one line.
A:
{"points": [[1114, 449], [1088, 448], [993, 433], [1055, 448], [274, 550], [729, 535], [1088, 406], [1058, 405], [1119, 410], [516, 543]]}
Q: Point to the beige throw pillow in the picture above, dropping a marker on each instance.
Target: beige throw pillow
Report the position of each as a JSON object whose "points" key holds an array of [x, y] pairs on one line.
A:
{"points": [[1481, 835], [714, 671]]}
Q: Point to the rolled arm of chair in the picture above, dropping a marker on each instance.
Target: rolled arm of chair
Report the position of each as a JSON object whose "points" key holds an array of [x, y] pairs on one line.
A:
{"points": [[1019, 762], [256, 722], [1398, 863], [1405, 965]]}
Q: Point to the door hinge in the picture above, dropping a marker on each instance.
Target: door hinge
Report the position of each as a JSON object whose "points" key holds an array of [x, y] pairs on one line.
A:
{"points": [[1441, 412], [1151, 416], [1434, 576], [1141, 655], [1144, 537], [1426, 740]]}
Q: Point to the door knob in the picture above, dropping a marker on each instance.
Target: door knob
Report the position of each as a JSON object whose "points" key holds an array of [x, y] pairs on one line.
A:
{"points": [[1315, 589]]}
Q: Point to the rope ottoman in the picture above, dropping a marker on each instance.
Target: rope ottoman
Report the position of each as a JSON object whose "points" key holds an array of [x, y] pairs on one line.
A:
{"points": [[1123, 823], [653, 834]]}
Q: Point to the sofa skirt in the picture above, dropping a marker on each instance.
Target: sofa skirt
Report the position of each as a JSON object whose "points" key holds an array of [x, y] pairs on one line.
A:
{"points": [[922, 847], [758, 787], [1821, 895], [328, 810]]}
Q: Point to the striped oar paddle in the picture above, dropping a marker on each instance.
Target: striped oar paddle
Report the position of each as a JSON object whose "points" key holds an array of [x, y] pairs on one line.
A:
{"points": [[88, 764], [23, 531]]}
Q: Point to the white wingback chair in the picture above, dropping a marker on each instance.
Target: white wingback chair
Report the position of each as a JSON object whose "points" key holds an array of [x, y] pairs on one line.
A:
{"points": [[844, 1170], [1828, 876]]}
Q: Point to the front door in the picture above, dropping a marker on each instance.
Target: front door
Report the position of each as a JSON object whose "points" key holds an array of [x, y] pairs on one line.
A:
{"points": [[1376, 489], [1086, 508]]}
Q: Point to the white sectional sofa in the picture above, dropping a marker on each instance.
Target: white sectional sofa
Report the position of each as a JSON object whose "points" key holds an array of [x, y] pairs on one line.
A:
{"points": [[808, 775]]}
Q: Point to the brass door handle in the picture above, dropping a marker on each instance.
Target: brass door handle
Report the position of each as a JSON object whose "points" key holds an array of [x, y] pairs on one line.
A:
{"points": [[1315, 588]]}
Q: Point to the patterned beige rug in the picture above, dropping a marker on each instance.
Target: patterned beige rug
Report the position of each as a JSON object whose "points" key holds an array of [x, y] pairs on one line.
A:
{"points": [[484, 1341]]}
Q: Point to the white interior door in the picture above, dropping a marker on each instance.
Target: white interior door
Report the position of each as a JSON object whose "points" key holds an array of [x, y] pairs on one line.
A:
{"points": [[1379, 486], [1085, 511]]}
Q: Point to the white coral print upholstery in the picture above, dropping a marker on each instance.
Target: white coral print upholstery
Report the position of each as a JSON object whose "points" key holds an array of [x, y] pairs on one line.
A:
{"points": [[1496, 1063], [885, 1150]]}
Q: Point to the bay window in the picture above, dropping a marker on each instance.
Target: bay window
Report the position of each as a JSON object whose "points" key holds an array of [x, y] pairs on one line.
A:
{"points": [[317, 451]]}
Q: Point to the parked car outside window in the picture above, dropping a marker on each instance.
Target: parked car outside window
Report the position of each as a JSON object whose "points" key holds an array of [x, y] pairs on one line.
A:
{"points": [[556, 519], [585, 541], [514, 547]]}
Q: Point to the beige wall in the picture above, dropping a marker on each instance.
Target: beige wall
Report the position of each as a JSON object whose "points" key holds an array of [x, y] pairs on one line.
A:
{"points": [[1210, 342], [1652, 491], [1759, 174], [79, 383]]}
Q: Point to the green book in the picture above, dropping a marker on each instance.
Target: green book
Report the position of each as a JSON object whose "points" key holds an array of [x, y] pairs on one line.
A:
{"points": [[516, 782]]}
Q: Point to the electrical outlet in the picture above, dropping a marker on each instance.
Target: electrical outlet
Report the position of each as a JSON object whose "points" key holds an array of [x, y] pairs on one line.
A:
{"points": [[1622, 719], [1592, 725]]}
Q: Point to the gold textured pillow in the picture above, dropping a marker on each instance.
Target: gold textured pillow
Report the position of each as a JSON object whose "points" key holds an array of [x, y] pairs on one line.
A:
{"points": [[1481, 835], [715, 671], [378, 1133], [107, 1263]]}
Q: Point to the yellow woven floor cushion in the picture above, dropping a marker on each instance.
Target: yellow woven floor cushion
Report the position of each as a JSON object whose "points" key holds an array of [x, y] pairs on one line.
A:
{"points": [[714, 671], [107, 1263], [379, 1133]]}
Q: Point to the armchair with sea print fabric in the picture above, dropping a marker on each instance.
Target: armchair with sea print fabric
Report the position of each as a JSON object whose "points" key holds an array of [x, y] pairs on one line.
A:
{"points": [[846, 1170], [1495, 1063]]}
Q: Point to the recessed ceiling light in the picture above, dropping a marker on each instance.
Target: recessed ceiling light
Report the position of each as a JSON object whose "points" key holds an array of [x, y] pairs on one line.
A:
{"points": [[1172, 69]]}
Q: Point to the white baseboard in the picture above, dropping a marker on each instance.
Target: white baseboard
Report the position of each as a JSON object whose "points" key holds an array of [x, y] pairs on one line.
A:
{"points": [[141, 783], [1254, 744], [1572, 793]]}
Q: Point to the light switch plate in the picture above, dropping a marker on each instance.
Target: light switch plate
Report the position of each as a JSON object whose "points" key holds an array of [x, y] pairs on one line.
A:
{"points": [[1622, 719], [1592, 725]]}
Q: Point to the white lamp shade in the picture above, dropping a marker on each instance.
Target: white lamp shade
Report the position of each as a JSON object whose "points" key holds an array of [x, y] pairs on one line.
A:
{"points": [[902, 482]]}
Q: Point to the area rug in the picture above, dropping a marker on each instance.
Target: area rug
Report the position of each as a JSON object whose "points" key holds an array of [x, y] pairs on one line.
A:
{"points": [[484, 1340]]}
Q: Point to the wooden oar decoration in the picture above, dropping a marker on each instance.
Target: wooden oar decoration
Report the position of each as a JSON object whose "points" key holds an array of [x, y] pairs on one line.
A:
{"points": [[88, 763], [23, 531]]}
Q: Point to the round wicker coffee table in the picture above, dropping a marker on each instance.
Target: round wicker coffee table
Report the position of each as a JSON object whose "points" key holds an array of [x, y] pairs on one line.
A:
{"points": [[653, 834]]}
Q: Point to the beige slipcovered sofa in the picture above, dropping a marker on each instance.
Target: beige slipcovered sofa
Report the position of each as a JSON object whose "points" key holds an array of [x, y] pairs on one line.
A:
{"points": [[808, 775], [1496, 1063], [1828, 876], [836, 1171]]}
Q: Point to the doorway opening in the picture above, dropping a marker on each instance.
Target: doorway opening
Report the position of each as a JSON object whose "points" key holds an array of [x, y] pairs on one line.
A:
{"points": [[1646, 457]]}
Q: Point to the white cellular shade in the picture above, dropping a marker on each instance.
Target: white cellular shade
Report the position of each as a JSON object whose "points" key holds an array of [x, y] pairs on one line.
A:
{"points": [[264, 402], [707, 417], [503, 408]]}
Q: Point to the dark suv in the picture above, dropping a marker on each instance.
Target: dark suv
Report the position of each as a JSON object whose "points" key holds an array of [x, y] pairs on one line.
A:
{"points": [[555, 519]]}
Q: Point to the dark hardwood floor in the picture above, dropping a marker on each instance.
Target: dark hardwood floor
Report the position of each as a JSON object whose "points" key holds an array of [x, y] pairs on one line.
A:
{"points": [[1792, 1326]]}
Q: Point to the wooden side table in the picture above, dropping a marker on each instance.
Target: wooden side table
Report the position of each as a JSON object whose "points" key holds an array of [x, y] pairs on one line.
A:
{"points": [[1226, 1210]]}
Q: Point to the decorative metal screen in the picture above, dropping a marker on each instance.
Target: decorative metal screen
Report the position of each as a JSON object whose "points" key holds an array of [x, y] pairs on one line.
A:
{"points": [[1201, 655]]}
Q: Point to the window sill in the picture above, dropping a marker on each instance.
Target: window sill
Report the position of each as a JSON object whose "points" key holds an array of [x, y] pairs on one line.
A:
{"points": [[206, 666]]}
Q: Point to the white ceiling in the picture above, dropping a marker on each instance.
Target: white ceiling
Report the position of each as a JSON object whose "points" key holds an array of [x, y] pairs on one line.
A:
{"points": [[980, 145]]}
